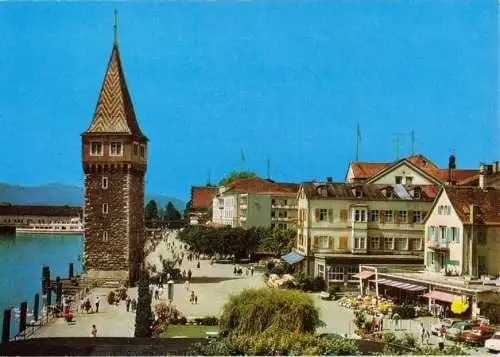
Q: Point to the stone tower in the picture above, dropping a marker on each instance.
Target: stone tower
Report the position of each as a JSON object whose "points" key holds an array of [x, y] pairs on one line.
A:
{"points": [[114, 154]]}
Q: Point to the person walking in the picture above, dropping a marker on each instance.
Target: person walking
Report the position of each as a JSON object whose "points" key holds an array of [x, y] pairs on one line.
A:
{"points": [[190, 274], [422, 332], [191, 298], [186, 285], [441, 341], [396, 318], [93, 331], [198, 265], [196, 299], [127, 303], [251, 270], [97, 302]]}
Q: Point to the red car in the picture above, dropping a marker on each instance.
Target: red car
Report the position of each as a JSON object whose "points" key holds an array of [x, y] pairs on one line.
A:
{"points": [[478, 335]]}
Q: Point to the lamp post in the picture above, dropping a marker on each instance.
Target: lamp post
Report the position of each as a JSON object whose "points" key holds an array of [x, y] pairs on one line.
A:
{"points": [[170, 285]]}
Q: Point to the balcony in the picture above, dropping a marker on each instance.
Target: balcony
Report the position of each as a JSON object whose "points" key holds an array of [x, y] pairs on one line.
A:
{"points": [[243, 218], [438, 245], [283, 219], [281, 206]]}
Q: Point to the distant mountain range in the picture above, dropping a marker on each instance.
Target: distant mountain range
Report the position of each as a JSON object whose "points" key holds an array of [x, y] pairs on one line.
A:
{"points": [[60, 194]]}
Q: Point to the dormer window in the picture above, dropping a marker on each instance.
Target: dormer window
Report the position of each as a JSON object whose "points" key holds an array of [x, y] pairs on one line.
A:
{"points": [[96, 148], [417, 192], [388, 192], [358, 192], [323, 192], [116, 148]]}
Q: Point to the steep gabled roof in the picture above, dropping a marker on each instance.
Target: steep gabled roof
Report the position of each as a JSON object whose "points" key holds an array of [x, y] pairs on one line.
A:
{"points": [[114, 111], [416, 163], [365, 170], [487, 201]]}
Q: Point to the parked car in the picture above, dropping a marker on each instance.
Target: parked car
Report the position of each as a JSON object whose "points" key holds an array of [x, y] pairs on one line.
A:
{"points": [[479, 335], [493, 344], [457, 329], [447, 324]]}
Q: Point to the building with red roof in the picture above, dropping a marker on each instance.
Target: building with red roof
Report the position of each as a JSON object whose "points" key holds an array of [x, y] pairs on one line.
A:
{"points": [[256, 202]]}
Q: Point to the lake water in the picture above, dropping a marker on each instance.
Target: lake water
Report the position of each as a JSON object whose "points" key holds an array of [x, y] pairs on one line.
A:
{"points": [[22, 258]]}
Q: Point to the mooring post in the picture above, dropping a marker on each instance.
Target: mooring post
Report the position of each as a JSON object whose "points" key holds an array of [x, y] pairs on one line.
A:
{"points": [[36, 307], [49, 300], [22, 316], [6, 325], [58, 290], [70, 270]]}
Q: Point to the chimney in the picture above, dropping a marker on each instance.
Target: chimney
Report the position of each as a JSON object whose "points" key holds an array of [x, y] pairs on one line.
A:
{"points": [[472, 213], [329, 179], [481, 176], [451, 169]]}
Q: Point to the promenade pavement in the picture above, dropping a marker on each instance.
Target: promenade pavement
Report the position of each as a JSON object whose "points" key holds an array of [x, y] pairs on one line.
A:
{"points": [[216, 283]]}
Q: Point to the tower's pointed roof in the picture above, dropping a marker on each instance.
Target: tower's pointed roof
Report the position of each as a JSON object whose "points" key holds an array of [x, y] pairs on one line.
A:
{"points": [[114, 112]]}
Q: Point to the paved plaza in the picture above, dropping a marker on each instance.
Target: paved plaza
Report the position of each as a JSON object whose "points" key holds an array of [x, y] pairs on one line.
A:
{"points": [[212, 284]]}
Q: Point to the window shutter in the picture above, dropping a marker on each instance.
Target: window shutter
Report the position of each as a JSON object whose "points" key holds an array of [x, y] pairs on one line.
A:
{"points": [[396, 217], [409, 244], [316, 214], [316, 241], [429, 233], [330, 215], [458, 234], [410, 217], [382, 214], [330, 243], [343, 214]]}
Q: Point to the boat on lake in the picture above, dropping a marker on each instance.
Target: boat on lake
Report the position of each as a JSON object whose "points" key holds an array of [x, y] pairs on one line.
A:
{"points": [[74, 226]]}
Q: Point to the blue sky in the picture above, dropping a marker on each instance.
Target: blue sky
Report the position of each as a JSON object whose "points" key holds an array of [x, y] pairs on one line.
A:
{"points": [[284, 80]]}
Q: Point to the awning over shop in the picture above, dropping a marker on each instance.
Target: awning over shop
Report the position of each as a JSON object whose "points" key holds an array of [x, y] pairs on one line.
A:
{"points": [[401, 285], [292, 257], [441, 296], [364, 274]]}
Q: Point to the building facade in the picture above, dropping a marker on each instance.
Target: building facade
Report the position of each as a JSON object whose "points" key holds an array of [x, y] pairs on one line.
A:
{"points": [[342, 225], [256, 202], [462, 233], [200, 207], [114, 154], [25, 216]]}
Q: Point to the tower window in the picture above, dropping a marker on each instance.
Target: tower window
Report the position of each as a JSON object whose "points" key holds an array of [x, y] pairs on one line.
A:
{"points": [[105, 236], [116, 148], [104, 182], [105, 208], [96, 148], [143, 151], [136, 149]]}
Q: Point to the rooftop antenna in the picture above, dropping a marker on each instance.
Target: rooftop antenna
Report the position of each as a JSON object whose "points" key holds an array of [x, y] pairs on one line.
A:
{"points": [[412, 134], [358, 139], [209, 178], [397, 139], [242, 160], [115, 27], [268, 168]]}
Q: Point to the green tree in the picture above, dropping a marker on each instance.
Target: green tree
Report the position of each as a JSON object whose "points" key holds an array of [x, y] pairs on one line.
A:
{"points": [[276, 241], [172, 216], [254, 311], [144, 314], [235, 175], [151, 212]]}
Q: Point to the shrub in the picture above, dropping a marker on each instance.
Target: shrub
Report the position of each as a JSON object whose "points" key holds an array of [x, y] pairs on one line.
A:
{"points": [[405, 311], [277, 344], [491, 310], [182, 320], [207, 321], [111, 298], [333, 289], [256, 310]]}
